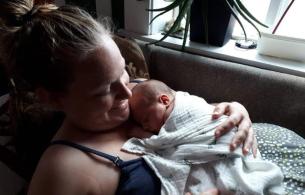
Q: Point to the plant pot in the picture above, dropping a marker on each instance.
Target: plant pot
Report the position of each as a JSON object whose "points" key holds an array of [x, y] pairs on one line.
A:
{"points": [[117, 9], [281, 47], [218, 24]]}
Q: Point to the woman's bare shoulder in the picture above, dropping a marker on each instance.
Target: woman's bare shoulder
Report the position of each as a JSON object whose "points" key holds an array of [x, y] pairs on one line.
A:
{"points": [[65, 170]]}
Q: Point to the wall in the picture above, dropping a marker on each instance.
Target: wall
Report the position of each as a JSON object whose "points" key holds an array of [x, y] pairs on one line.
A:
{"points": [[103, 8]]}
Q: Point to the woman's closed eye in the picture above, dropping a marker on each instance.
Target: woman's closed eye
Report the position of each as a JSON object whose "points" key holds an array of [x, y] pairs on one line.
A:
{"points": [[102, 92]]}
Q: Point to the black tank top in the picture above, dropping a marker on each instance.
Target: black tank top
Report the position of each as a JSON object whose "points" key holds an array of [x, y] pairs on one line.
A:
{"points": [[136, 178]]}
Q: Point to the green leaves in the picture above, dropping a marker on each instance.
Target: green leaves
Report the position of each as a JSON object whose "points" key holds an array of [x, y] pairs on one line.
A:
{"points": [[236, 6], [247, 13], [185, 8], [243, 11]]}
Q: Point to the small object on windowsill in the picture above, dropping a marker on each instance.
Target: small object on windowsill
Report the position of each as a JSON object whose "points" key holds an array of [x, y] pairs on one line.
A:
{"points": [[178, 35], [246, 44], [282, 47]]}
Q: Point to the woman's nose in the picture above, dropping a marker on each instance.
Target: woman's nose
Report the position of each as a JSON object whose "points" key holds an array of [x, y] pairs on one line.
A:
{"points": [[124, 92]]}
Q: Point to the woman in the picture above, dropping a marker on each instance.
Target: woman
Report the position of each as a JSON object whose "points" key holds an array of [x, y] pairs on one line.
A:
{"points": [[73, 65]]}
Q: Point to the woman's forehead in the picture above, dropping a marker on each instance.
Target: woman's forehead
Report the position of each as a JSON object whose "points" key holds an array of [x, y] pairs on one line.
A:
{"points": [[101, 67], [106, 60]]}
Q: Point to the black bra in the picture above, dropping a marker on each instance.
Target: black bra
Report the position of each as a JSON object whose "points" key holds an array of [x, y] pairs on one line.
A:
{"points": [[136, 178]]}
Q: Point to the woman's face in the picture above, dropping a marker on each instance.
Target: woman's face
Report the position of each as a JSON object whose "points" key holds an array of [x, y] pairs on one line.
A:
{"points": [[98, 97]]}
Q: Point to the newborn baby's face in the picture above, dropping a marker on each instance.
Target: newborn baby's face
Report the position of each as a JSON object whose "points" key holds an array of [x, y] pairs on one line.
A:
{"points": [[151, 117]]}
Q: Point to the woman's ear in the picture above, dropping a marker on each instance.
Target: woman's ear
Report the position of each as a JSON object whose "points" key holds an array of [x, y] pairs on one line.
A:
{"points": [[164, 99], [48, 98]]}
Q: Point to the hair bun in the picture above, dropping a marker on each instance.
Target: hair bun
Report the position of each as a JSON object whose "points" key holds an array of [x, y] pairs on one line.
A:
{"points": [[20, 20], [15, 12]]}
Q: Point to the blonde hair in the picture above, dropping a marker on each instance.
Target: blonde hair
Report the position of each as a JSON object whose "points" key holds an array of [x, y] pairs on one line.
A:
{"points": [[40, 43]]}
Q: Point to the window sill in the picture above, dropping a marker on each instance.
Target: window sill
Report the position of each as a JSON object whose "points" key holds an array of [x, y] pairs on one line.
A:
{"points": [[228, 52]]}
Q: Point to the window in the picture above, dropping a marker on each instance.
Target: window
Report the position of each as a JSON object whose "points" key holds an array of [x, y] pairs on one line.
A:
{"points": [[292, 24], [259, 9], [269, 12]]}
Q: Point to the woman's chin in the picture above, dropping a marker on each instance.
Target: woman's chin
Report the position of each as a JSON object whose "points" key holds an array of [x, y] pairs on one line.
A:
{"points": [[111, 120], [119, 116], [121, 109]]}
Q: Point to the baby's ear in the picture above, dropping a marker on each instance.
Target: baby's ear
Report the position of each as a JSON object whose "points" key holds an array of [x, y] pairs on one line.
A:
{"points": [[164, 99]]}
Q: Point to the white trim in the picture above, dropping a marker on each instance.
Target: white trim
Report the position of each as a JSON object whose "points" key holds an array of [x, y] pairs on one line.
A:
{"points": [[275, 11], [285, 38], [272, 13]]}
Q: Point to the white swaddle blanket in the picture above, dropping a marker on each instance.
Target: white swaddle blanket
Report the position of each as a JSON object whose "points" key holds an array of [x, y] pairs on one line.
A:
{"points": [[187, 158]]}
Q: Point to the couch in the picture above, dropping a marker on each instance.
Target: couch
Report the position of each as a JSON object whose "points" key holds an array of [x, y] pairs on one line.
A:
{"points": [[269, 96]]}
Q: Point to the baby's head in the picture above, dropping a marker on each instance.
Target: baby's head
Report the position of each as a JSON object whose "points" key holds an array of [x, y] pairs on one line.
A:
{"points": [[151, 104]]}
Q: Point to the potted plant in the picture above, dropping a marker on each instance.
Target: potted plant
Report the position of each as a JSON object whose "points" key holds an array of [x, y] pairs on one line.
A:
{"points": [[188, 8]]}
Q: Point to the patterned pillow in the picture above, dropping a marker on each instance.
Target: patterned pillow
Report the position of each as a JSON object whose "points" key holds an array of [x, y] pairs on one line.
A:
{"points": [[286, 149], [31, 126], [135, 61]]}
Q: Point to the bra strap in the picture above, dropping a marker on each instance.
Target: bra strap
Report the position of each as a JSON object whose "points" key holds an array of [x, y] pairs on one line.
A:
{"points": [[116, 160]]}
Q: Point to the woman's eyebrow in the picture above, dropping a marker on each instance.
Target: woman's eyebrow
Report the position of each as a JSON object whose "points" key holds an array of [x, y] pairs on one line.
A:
{"points": [[98, 90]]}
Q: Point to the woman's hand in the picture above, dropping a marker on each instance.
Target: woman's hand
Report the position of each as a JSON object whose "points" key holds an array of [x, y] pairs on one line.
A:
{"points": [[238, 117]]}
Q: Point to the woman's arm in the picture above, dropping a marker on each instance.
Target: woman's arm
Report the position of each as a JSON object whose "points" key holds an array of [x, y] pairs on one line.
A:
{"points": [[238, 117]]}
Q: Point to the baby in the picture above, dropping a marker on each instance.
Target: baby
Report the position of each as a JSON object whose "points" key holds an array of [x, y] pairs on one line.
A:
{"points": [[184, 152], [151, 104]]}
